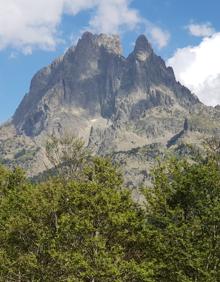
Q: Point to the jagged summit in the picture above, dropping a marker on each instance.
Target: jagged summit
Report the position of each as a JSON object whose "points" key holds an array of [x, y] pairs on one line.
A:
{"points": [[142, 50], [116, 104], [142, 45], [111, 43], [93, 78]]}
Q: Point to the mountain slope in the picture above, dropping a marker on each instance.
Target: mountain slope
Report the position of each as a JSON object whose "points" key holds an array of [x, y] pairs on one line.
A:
{"points": [[130, 108]]}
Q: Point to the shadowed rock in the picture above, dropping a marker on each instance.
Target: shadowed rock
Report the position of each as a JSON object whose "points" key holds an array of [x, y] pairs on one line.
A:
{"points": [[116, 104]]}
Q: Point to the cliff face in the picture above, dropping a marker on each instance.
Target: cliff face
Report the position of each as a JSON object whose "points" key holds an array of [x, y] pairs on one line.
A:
{"points": [[93, 80], [120, 106], [75, 89]]}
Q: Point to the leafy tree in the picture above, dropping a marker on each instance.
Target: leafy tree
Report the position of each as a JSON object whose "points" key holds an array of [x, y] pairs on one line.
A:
{"points": [[68, 156], [9, 180], [83, 225], [184, 214], [87, 230]]}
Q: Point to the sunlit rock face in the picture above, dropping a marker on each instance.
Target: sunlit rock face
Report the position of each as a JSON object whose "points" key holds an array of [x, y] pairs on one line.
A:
{"points": [[93, 81], [130, 108]]}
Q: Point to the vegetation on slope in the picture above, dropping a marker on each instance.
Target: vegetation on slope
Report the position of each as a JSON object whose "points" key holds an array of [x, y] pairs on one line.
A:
{"points": [[88, 228]]}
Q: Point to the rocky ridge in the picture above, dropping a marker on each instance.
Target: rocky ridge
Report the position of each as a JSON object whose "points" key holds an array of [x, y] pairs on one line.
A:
{"points": [[132, 109]]}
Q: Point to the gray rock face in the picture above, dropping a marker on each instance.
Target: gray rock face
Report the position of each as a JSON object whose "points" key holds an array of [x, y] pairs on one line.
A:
{"points": [[85, 79], [95, 78], [119, 105]]}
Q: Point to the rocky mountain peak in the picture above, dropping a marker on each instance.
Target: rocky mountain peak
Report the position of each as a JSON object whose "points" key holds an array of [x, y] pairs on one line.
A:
{"points": [[94, 79], [129, 107], [142, 48], [111, 43]]}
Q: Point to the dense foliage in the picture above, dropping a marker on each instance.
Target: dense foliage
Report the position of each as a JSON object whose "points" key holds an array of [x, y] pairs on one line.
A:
{"points": [[184, 212], [90, 229]]}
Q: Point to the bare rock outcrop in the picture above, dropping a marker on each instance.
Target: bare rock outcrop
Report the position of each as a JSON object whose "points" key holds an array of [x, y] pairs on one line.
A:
{"points": [[124, 107]]}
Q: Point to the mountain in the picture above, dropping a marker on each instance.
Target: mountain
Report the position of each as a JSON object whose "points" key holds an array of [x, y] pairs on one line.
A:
{"points": [[131, 109]]}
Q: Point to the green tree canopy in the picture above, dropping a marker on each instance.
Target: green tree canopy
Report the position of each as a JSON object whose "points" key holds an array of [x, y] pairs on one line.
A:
{"points": [[73, 231], [89, 228], [184, 212]]}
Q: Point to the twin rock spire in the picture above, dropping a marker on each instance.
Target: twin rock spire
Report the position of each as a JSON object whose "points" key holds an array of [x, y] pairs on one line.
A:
{"points": [[112, 43]]}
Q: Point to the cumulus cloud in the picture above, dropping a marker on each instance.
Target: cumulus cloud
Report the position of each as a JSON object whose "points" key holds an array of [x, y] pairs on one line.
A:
{"points": [[161, 37], [198, 68], [25, 23], [73, 7], [200, 30], [112, 16], [28, 24], [115, 16]]}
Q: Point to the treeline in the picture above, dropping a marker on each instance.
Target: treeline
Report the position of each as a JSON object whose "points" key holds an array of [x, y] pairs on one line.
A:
{"points": [[88, 228]]}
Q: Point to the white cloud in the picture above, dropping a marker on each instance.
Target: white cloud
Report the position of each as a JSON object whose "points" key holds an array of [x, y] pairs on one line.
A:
{"points": [[200, 30], [26, 23], [75, 6], [198, 68], [161, 37], [29, 24], [113, 15]]}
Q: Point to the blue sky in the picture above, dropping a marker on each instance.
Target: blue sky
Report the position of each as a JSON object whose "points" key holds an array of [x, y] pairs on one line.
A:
{"points": [[33, 33]]}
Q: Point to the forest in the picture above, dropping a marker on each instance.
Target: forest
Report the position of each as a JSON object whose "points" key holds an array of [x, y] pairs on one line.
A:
{"points": [[81, 224]]}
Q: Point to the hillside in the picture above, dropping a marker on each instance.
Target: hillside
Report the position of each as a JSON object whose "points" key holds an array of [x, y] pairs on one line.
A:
{"points": [[132, 109]]}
